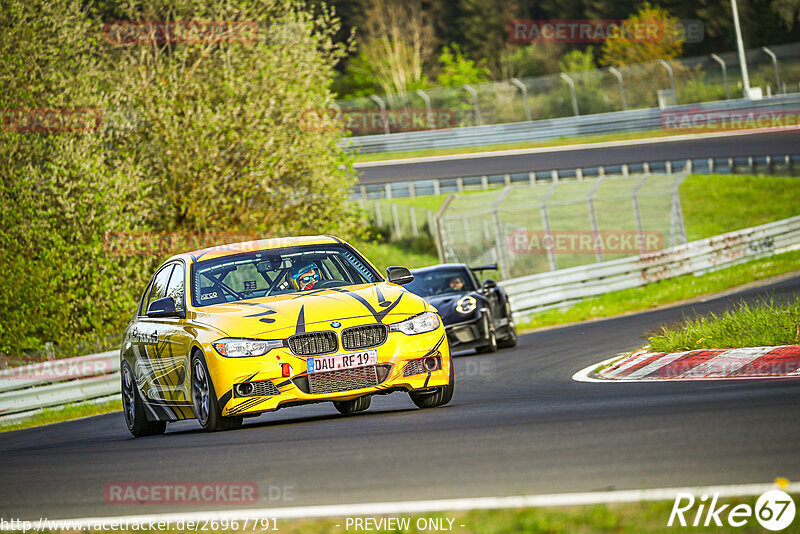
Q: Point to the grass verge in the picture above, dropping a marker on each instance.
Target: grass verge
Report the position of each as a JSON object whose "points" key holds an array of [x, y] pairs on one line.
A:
{"points": [[383, 255], [765, 323], [712, 204], [625, 518], [667, 291], [66, 413]]}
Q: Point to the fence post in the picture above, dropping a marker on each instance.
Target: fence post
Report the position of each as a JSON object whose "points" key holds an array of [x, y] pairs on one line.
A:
{"points": [[618, 75], [598, 251], [378, 100], [474, 95], [532, 178], [437, 230], [378, 214], [500, 241], [721, 62], [388, 191], [774, 59], [428, 110], [524, 91], [677, 226], [437, 187], [398, 232], [571, 84], [671, 77], [638, 214], [412, 190], [460, 184], [548, 236], [484, 182]]}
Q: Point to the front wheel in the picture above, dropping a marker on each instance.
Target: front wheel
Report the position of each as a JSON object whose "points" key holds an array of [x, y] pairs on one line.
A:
{"points": [[352, 406], [204, 399], [133, 408], [491, 344], [511, 339], [440, 397]]}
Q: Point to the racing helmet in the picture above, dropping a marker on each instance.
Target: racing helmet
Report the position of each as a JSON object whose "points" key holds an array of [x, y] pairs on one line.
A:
{"points": [[301, 280]]}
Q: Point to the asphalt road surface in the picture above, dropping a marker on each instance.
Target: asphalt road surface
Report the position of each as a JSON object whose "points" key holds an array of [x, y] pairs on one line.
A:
{"points": [[760, 144], [518, 424]]}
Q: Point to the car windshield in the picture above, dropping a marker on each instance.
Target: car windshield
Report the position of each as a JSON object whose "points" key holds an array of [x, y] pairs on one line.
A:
{"points": [[441, 281], [277, 272]]}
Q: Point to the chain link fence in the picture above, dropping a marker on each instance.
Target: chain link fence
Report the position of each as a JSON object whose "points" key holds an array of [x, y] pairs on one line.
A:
{"points": [[776, 70], [527, 230]]}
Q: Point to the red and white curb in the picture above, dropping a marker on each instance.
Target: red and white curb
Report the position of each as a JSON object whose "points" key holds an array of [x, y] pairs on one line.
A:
{"points": [[702, 364]]}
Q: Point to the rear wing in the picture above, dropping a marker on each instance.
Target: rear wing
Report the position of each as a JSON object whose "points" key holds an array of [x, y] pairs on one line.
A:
{"points": [[492, 267]]}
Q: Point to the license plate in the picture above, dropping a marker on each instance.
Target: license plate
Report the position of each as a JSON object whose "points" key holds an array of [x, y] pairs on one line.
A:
{"points": [[342, 361]]}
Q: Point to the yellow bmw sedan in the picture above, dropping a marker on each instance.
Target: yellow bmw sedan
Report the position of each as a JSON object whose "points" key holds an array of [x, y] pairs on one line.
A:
{"points": [[238, 330]]}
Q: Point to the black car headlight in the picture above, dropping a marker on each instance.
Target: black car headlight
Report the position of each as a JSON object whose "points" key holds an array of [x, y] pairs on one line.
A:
{"points": [[466, 304]]}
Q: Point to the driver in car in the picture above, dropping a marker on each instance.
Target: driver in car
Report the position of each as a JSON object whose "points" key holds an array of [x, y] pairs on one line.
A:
{"points": [[456, 283], [304, 277]]}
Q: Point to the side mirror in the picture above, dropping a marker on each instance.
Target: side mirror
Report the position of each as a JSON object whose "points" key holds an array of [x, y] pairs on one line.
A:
{"points": [[164, 307], [399, 275], [489, 284]]}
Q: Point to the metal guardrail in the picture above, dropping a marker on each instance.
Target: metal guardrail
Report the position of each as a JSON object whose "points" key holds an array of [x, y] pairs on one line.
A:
{"points": [[539, 292], [28, 389], [601, 123]]}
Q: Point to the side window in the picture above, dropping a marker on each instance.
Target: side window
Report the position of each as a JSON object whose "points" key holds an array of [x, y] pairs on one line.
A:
{"points": [[159, 289], [175, 287], [143, 301]]}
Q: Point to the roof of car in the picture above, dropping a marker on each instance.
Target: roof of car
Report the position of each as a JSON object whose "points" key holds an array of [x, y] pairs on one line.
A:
{"points": [[439, 266], [220, 251]]}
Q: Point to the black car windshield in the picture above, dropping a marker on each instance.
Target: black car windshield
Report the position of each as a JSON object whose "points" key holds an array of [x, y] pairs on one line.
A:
{"points": [[440, 281], [276, 272]]}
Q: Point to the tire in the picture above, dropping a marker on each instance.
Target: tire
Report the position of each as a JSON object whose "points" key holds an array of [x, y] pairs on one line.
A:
{"points": [[511, 339], [491, 346], [133, 408], [352, 406], [204, 399], [440, 396]]}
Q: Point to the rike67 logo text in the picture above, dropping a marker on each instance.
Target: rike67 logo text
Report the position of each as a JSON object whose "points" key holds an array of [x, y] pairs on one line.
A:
{"points": [[774, 510]]}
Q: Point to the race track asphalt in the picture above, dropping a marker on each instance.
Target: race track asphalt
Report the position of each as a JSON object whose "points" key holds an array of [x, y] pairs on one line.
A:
{"points": [[518, 424], [757, 144]]}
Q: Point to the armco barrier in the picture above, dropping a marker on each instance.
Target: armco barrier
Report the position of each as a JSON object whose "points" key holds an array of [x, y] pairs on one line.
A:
{"points": [[601, 123], [539, 292], [30, 388]]}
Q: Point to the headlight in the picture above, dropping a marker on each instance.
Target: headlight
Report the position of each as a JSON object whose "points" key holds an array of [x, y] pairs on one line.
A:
{"points": [[466, 304], [424, 322], [244, 348]]}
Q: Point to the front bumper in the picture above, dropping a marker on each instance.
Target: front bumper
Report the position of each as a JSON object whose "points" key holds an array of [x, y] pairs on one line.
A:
{"points": [[467, 334], [273, 391]]}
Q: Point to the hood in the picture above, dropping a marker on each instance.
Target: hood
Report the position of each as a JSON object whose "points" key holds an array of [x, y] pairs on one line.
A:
{"points": [[285, 315], [446, 305]]}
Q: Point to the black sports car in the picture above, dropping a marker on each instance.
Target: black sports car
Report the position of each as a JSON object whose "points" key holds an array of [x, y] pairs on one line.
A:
{"points": [[476, 316]]}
